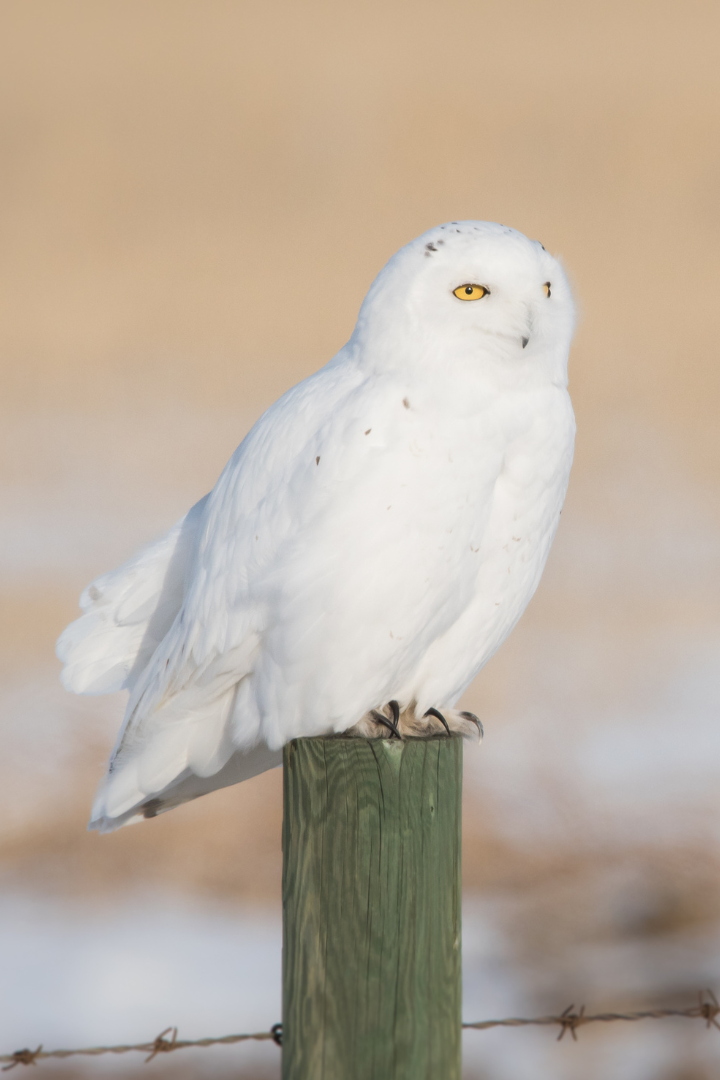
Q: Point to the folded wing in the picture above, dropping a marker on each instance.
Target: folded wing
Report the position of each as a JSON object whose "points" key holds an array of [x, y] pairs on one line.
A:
{"points": [[127, 612], [180, 625]]}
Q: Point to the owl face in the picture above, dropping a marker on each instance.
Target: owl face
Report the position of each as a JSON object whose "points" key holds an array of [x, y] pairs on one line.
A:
{"points": [[478, 288]]}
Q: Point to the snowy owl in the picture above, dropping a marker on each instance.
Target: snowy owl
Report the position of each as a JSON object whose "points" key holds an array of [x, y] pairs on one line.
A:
{"points": [[368, 547]]}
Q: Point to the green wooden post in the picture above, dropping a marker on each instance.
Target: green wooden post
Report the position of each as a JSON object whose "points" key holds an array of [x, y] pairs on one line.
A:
{"points": [[371, 909]]}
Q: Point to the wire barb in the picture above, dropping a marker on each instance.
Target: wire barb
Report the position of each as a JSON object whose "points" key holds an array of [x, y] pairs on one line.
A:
{"points": [[163, 1045], [709, 1010], [570, 1021], [22, 1057]]}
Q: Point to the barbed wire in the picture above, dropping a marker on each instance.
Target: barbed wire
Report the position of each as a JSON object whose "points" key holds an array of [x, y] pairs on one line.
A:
{"points": [[707, 1009]]}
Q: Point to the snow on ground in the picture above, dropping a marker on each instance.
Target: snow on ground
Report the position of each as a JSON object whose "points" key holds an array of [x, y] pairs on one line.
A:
{"points": [[74, 974]]}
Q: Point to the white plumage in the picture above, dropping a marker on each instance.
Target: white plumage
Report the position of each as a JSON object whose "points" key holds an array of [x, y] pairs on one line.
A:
{"points": [[376, 535]]}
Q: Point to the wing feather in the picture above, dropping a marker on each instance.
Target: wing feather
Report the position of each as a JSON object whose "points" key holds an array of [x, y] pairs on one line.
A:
{"points": [[127, 612]]}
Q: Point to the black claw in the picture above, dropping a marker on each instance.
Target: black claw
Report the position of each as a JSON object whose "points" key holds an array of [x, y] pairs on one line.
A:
{"points": [[390, 724], [395, 710], [475, 720], [439, 716]]}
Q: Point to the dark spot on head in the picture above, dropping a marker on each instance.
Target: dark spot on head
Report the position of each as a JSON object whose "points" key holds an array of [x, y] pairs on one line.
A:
{"points": [[406, 403], [152, 808], [317, 460], [368, 431], [428, 255], [458, 230], [431, 247], [441, 241]]}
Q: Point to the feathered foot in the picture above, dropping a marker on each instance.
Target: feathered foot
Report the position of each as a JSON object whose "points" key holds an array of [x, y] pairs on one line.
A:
{"points": [[394, 722]]}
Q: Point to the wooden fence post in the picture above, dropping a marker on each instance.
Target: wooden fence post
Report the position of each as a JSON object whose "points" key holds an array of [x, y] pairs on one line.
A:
{"points": [[371, 909]]}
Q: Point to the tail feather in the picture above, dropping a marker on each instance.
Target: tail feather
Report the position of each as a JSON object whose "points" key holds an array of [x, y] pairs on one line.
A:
{"points": [[241, 766], [172, 747]]}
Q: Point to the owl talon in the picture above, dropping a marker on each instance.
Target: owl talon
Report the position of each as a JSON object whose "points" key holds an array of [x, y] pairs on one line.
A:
{"points": [[438, 716], [474, 720], [403, 723], [390, 724]]}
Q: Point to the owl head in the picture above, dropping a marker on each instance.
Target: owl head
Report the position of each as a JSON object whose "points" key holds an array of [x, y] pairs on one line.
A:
{"points": [[471, 291]]}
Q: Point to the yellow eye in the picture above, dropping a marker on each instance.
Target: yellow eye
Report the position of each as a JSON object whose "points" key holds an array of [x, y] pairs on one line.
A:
{"points": [[546, 289], [471, 292]]}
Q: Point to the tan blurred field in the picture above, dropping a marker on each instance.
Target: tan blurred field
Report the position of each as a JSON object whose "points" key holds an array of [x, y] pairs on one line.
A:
{"points": [[194, 198]]}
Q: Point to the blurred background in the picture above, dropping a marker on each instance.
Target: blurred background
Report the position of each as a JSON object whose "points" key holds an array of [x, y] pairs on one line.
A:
{"points": [[194, 197]]}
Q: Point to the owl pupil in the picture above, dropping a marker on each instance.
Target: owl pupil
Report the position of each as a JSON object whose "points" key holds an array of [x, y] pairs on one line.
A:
{"points": [[469, 290]]}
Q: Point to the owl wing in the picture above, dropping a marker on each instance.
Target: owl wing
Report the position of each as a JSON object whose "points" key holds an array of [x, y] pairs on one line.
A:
{"points": [[187, 670], [127, 612]]}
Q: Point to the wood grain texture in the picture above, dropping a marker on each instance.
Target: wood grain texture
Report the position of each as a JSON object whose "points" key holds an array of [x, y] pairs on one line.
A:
{"points": [[371, 909]]}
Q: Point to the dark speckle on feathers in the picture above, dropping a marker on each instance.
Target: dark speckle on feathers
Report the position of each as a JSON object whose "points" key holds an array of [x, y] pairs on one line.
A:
{"points": [[368, 431], [406, 403], [431, 247], [317, 460], [152, 808]]}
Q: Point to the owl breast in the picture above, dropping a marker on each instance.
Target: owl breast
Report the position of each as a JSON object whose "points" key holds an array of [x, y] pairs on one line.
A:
{"points": [[503, 562]]}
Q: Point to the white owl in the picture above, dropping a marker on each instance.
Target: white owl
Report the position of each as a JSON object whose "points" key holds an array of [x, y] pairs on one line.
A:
{"points": [[369, 545]]}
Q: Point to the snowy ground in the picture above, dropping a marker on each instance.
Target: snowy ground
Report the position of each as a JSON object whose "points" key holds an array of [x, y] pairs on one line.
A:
{"points": [[76, 975]]}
